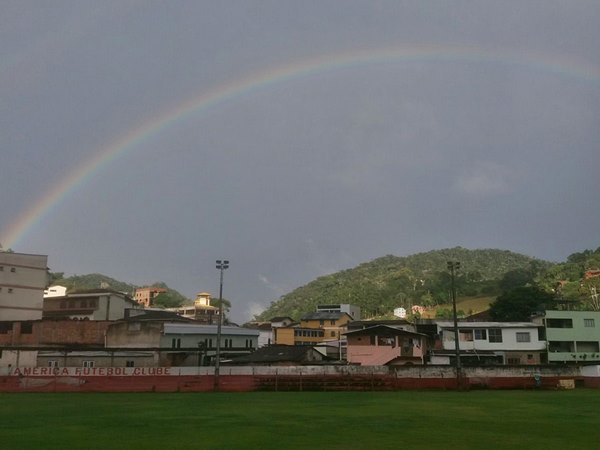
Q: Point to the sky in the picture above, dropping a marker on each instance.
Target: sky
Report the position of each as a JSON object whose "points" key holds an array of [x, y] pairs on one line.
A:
{"points": [[146, 139]]}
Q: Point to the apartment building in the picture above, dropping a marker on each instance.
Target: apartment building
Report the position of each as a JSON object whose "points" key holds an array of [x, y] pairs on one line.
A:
{"points": [[23, 278]]}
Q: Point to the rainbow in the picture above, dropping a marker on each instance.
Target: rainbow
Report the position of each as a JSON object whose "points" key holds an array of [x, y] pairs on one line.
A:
{"points": [[14, 234]]}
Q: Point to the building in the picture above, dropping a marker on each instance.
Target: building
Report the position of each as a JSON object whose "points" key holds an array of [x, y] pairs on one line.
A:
{"points": [[181, 343], [480, 343], [282, 355], [201, 311], [314, 328], [95, 304], [572, 336], [21, 341], [266, 331], [23, 278], [145, 296], [381, 345], [400, 324], [55, 291], [352, 310]]}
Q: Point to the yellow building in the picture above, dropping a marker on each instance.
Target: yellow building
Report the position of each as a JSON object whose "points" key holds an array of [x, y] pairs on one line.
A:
{"points": [[314, 328]]}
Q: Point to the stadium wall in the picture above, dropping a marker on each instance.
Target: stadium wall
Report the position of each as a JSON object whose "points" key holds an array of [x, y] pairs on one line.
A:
{"points": [[292, 378]]}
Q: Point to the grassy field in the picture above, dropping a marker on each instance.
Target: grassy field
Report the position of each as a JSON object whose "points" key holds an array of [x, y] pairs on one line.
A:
{"points": [[492, 420]]}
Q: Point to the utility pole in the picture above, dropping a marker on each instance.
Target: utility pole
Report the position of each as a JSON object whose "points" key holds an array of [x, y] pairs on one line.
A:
{"points": [[221, 266], [453, 266]]}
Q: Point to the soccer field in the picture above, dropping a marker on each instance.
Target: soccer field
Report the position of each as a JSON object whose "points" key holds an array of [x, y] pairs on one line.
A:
{"points": [[320, 420]]}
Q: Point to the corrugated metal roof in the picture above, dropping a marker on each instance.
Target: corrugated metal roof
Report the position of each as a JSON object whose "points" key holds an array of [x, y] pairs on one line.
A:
{"points": [[185, 328]]}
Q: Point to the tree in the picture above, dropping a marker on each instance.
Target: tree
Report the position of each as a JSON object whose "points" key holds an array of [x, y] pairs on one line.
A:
{"points": [[520, 303], [166, 300], [515, 278]]}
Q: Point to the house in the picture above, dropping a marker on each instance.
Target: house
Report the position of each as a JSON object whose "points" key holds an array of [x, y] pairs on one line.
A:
{"points": [[265, 332], [55, 291], [381, 345], [400, 324], [281, 355], [572, 336], [94, 359], [94, 304], [314, 328], [201, 311], [181, 343], [489, 343], [145, 295], [21, 341], [352, 310], [23, 278]]}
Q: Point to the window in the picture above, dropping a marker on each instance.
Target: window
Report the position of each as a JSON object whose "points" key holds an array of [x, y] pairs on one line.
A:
{"points": [[26, 327], [587, 346], [5, 327], [523, 336], [465, 335], [561, 346], [88, 364], [1, 268], [13, 270], [514, 361], [332, 322], [480, 334], [129, 363], [559, 323], [52, 363], [589, 323], [176, 343], [495, 335], [333, 334], [63, 305], [10, 290]]}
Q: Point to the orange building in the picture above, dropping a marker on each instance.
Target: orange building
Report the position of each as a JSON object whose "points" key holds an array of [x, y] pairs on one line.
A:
{"points": [[314, 328], [145, 296]]}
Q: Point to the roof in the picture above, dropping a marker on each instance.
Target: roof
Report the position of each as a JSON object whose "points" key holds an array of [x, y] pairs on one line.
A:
{"points": [[191, 328], [280, 319], [94, 293], [385, 329], [94, 353], [324, 315], [464, 324], [278, 353], [138, 315], [371, 323]]}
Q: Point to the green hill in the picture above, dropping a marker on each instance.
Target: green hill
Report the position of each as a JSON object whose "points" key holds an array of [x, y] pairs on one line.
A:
{"points": [[385, 283], [97, 280]]}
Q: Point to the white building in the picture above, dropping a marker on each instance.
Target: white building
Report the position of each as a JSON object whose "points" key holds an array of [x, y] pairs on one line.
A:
{"points": [[97, 304], [499, 342], [55, 291], [23, 279]]}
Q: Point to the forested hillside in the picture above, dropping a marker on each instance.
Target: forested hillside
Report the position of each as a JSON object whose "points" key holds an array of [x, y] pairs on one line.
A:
{"points": [[385, 283]]}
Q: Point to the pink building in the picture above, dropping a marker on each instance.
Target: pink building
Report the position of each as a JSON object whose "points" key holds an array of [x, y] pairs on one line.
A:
{"points": [[382, 345]]}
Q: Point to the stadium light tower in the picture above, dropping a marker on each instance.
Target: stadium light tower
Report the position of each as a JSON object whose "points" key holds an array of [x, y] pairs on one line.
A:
{"points": [[221, 266], [453, 266]]}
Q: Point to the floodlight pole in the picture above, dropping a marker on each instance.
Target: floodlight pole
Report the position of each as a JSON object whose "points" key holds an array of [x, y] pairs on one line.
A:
{"points": [[221, 266], [453, 266]]}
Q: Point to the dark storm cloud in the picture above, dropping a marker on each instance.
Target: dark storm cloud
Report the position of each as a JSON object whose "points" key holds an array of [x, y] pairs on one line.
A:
{"points": [[308, 176]]}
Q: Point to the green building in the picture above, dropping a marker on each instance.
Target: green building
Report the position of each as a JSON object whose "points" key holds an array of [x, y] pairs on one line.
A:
{"points": [[572, 336]]}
